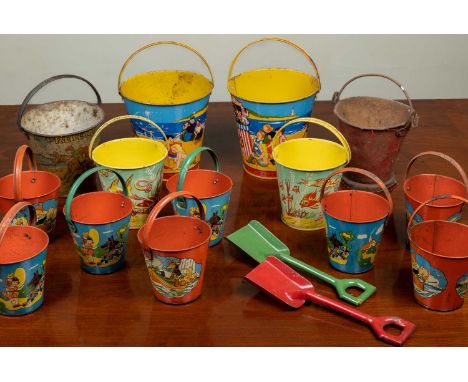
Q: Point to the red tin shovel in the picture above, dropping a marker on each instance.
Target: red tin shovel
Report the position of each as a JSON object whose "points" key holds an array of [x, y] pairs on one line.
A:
{"points": [[288, 286]]}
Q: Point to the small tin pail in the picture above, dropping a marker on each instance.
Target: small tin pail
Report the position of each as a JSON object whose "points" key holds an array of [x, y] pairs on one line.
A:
{"points": [[23, 252], [40, 188], [140, 163], [212, 188], [177, 100], [263, 100], [302, 165], [423, 187], [375, 129], [175, 249], [355, 223], [99, 223], [439, 260], [59, 132]]}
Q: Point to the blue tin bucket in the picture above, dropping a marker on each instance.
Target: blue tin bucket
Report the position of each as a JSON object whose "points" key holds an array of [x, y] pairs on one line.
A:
{"points": [[264, 100], [355, 223], [99, 223], [23, 252], [177, 100], [212, 188]]}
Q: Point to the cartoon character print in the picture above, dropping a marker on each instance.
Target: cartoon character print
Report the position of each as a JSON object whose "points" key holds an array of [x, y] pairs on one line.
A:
{"points": [[367, 253], [89, 242], [462, 285], [427, 280], [12, 289], [176, 153], [241, 113], [340, 248], [46, 213], [261, 147]]}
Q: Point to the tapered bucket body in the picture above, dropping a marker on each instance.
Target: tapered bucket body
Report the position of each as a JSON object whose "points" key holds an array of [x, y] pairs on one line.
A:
{"points": [[176, 100], [439, 261], [23, 252], [139, 161], [99, 223], [375, 129], [355, 224], [59, 132], [175, 250], [264, 100], [212, 188], [302, 166], [40, 188], [422, 187]]}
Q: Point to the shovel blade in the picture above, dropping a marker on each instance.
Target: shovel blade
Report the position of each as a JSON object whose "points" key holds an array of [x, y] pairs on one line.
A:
{"points": [[280, 281]]}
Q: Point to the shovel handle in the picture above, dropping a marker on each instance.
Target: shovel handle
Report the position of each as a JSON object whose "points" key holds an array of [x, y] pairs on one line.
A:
{"points": [[23, 150], [378, 325]]}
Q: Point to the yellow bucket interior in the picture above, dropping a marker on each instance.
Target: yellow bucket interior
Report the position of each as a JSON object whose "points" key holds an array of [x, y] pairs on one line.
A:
{"points": [[273, 85], [166, 87], [129, 153], [310, 154]]}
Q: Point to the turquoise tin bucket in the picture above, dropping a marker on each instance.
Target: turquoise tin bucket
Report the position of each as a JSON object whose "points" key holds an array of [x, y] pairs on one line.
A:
{"points": [[212, 188], [99, 223], [355, 223], [264, 100], [23, 252], [177, 100]]}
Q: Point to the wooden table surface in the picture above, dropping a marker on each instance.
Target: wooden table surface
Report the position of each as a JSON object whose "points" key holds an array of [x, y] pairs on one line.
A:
{"points": [[120, 309]]}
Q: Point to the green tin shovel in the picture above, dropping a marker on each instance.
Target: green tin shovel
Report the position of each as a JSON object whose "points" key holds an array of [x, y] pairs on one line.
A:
{"points": [[259, 243]]}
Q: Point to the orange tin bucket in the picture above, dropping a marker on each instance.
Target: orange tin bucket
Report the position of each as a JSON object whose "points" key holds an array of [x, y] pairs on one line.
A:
{"points": [[423, 187], [439, 260], [40, 188], [175, 249]]}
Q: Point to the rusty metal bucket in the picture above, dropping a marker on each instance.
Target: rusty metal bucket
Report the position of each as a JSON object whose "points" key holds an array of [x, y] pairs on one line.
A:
{"points": [[439, 260], [375, 129]]}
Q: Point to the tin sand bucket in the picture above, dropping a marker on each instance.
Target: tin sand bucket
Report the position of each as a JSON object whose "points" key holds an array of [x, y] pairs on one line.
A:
{"points": [[177, 100], [99, 223], [140, 163], [439, 260], [212, 188], [302, 165], [23, 252], [423, 187], [59, 132], [375, 129], [39, 188], [263, 100], [355, 223], [175, 249]]}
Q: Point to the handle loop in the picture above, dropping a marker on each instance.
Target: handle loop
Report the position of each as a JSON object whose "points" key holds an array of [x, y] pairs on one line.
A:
{"points": [[120, 118], [282, 40], [127, 61], [80, 180], [23, 150], [6, 221], [159, 207], [38, 87]]}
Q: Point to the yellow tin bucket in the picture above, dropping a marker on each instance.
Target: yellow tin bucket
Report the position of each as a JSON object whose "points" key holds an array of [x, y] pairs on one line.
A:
{"points": [[140, 163], [302, 166], [177, 100], [263, 100]]}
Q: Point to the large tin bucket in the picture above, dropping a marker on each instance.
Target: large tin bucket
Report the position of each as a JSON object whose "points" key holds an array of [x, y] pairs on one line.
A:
{"points": [[375, 129], [423, 187], [302, 165], [355, 223], [212, 188], [99, 223], [23, 252], [439, 260], [263, 100], [40, 188], [177, 100], [59, 132], [175, 249], [138, 160]]}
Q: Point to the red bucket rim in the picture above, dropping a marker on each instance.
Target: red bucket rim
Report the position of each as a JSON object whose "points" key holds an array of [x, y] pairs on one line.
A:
{"points": [[171, 183], [55, 189], [29, 257]]}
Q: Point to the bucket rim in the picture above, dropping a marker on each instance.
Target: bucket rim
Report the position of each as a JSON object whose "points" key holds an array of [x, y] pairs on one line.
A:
{"points": [[165, 104], [32, 256], [57, 178], [413, 243], [68, 134], [139, 139], [168, 217], [354, 192], [275, 150]]}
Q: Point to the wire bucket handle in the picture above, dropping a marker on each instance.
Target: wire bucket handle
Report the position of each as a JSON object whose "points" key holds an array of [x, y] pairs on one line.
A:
{"points": [[9, 216]]}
